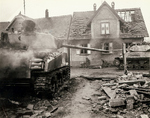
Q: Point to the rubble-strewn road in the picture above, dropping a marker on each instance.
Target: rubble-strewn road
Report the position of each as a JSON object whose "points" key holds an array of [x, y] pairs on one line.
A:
{"points": [[90, 101], [83, 103], [80, 98]]}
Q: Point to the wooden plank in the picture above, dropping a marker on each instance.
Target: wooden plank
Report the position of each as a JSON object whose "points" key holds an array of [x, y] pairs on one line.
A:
{"points": [[111, 93], [102, 77], [131, 82]]}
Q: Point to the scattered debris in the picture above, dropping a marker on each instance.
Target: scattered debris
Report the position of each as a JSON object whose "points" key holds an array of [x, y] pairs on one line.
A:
{"points": [[116, 102], [42, 104], [30, 106], [131, 82], [109, 92], [130, 101], [127, 92], [144, 116], [102, 98], [102, 77], [134, 94], [14, 102], [86, 98]]}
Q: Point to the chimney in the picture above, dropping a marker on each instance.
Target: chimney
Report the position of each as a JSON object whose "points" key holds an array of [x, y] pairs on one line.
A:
{"points": [[113, 5], [46, 13], [94, 6]]}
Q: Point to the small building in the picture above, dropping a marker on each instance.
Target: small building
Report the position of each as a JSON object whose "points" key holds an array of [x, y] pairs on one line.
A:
{"points": [[16, 25], [105, 28]]}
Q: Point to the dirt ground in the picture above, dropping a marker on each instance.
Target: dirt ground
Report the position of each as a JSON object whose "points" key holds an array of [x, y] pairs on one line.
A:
{"points": [[84, 101]]}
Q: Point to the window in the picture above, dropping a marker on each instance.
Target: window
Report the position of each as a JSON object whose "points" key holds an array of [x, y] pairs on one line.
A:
{"points": [[106, 46], [109, 47], [83, 51], [105, 28]]}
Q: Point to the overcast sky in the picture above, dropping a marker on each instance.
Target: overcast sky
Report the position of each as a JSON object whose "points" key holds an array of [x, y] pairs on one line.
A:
{"points": [[36, 8]]}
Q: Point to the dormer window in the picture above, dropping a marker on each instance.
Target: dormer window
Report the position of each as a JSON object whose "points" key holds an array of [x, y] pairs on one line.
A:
{"points": [[105, 28]]}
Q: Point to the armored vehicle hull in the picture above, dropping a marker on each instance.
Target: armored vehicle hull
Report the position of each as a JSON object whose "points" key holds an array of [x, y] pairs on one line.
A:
{"points": [[137, 57]]}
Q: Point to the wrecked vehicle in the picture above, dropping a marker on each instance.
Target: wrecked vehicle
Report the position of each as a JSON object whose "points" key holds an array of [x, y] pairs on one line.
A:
{"points": [[137, 57], [32, 59]]}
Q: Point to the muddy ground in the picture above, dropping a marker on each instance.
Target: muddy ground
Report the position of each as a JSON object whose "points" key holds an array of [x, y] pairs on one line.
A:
{"points": [[77, 99]]}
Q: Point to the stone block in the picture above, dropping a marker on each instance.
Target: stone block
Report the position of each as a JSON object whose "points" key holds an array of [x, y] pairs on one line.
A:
{"points": [[130, 101], [102, 98], [30, 106], [116, 102], [144, 116]]}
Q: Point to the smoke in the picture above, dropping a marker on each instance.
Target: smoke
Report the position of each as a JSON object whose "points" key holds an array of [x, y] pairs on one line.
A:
{"points": [[13, 62], [22, 48]]}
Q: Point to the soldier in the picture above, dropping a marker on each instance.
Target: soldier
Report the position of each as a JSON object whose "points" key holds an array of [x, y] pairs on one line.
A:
{"points": [[87, 62]]}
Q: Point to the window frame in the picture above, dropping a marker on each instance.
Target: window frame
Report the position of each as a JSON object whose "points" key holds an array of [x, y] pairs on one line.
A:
{"points": [[105, 28], [83, 52], [110, 48]]}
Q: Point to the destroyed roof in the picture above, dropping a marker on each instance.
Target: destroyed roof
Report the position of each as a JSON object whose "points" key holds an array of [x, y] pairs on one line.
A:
{"points": [[79, 27], [137, 27], [57, 26]]}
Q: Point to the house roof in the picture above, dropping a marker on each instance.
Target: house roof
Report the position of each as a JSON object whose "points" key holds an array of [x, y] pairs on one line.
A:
{"points": [[111, 9], [79, 27], [16, 17], [57, 26]]}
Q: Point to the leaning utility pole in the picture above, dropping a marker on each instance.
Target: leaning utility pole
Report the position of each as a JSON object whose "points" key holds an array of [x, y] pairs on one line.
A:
{"points": [[124, 57]]}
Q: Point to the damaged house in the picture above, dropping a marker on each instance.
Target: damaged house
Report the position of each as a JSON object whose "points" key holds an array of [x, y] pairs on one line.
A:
{"points": [[105, 28]]}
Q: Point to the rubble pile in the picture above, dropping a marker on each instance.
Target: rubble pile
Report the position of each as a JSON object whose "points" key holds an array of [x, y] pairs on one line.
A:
{"points": [[40, 109], [128, 94], [36, 107]]}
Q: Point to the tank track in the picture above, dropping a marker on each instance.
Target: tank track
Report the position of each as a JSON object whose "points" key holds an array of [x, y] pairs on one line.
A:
{"points": [[50, 82], [135, 64]]}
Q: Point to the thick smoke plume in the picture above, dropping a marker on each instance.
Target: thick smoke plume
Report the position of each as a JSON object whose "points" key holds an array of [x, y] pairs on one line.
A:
{"points": [[21, 48]]}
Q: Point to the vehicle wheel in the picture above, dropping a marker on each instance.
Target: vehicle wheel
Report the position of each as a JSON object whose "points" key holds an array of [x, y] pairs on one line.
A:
{"points": [[121, 66], [146, 66], [130, 66], [137, 66], [116, 62]]}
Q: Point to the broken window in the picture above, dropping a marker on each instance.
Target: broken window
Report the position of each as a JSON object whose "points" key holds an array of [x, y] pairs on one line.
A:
{"points": [[105, 28], [106, 46], [109, 47], [83, 51]]}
